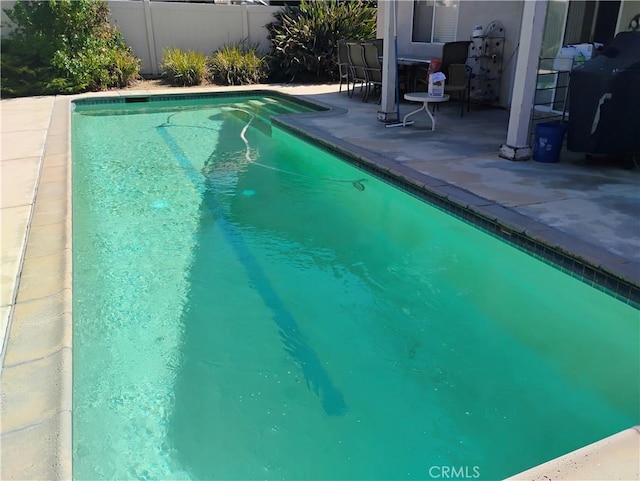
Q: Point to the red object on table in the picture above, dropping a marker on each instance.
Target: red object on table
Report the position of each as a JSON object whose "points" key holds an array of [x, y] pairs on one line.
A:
{"points": [[434, 66]]}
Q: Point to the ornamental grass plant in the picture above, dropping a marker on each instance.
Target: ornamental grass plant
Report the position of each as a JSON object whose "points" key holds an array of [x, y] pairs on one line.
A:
{"points": [[184, 68], [238, 64]]}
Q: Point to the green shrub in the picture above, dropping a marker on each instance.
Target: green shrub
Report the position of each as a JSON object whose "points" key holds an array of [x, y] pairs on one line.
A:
{"points": [[20, 79], [237, 65], [184, 68], [124, 67], [64, 46], [305, 38]]}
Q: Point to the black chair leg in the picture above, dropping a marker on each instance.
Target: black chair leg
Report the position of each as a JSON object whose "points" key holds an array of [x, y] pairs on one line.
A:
{"points": [[353, 89], [366, 91], [344, 81]]}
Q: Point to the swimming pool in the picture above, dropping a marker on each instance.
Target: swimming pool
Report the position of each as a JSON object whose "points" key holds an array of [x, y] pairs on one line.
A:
{"points": [[248, 306]]}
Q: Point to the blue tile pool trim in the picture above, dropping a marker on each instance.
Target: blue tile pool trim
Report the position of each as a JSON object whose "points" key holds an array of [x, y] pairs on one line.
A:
{"points": [[603, 271], [136, 99]]}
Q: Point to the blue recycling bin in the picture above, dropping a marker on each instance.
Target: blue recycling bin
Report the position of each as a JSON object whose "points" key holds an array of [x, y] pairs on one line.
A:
{"points": [[548, 141]]}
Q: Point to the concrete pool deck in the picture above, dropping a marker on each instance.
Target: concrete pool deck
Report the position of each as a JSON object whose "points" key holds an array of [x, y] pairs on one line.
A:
{"points": [[592, 210]]}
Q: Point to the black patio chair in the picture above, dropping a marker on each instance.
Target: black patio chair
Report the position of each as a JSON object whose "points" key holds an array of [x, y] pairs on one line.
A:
{"points": [[373, 67], [344, 70], [458, 84], [454, 52], [358, 68], [379, 43]]}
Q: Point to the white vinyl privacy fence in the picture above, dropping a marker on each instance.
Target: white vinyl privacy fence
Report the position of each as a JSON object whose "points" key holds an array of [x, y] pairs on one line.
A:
{"points": [[149, 27]]}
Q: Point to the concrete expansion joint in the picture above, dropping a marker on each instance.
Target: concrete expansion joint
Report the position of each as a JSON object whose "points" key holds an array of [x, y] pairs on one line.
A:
{"points": [[27, 157], [47, 296], [26, 427], [48, 223], [482, 203], [30, 131], [37, 359], [543, 202], [65, 251]]}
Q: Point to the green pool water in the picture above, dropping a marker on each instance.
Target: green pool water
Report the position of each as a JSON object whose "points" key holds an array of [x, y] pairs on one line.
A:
{"points": [[248, 306]]}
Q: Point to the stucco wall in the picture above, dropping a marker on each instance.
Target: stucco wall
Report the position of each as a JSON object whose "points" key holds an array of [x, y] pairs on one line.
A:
{"points": [[482, 13], [628, 10]]}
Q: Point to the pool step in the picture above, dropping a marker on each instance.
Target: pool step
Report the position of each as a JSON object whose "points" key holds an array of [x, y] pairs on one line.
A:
{"points": [[259, 123], [263, 110], [283, 106], [278, 109]]}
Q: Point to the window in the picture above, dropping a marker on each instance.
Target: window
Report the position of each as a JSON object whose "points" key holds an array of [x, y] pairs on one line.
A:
{"points": [[435, 21]]}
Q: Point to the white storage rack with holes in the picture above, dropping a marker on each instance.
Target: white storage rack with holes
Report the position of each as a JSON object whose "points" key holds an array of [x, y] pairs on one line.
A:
{"points": [[486, 55]]}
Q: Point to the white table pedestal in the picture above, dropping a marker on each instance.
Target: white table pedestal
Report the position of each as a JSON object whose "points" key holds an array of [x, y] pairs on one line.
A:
{"points": [[426, 99]]}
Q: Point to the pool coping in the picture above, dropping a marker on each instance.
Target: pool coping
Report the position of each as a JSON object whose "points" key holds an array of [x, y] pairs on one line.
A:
{"points": [[37, 372], [37, 364]]}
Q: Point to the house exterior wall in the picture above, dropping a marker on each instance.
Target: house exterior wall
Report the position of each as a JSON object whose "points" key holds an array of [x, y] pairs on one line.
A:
{"points": [[471, 13], [509, 13], [628, 9]]}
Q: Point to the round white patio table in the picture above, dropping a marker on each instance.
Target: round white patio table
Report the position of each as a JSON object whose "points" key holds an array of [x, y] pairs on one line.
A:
{"points": [[426, 99]]}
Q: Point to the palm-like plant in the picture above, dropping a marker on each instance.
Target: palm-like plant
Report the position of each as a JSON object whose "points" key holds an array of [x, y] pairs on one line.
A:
{"points": [[304, 39]]}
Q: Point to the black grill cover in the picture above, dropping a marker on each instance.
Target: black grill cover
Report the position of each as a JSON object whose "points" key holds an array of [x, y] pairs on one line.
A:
{"points": [[604, 100]]}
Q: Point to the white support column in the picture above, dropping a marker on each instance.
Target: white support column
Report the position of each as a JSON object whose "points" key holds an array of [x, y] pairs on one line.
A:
{"points": [[153, 56], [387, 111], [524, 85]]}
